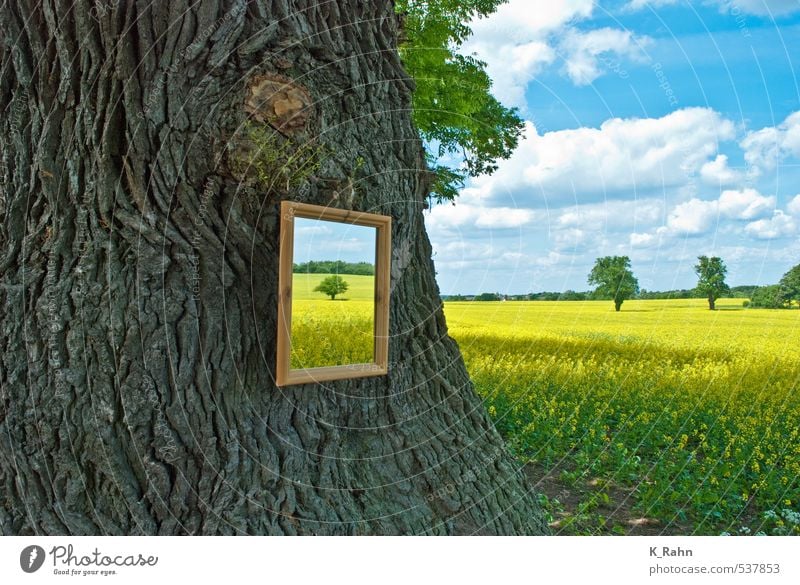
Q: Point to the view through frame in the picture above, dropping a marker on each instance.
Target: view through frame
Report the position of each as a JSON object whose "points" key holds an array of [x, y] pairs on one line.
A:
{"points": [[285, 374]]}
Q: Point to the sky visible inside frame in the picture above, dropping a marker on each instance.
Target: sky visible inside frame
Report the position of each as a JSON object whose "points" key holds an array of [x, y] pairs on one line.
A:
{"points": [[659, 130], [316, 240]]}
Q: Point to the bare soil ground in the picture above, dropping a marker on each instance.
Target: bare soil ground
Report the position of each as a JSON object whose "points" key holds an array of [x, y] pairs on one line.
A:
{"points": [[593, 506]]}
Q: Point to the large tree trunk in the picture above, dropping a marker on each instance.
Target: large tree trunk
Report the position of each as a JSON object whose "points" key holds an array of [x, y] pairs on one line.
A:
{"points": [[138, 282]]}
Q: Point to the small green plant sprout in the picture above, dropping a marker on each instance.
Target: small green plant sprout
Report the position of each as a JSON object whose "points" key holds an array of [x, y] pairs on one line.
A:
{"points": [[273, 162]]}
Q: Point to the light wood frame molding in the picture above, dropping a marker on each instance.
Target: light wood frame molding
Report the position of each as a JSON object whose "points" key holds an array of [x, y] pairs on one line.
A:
{"points": [[285, 375]]}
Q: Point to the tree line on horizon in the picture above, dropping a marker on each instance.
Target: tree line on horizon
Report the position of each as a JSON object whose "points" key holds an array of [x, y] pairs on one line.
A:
{"points": [[614, 280], [334, 267]]}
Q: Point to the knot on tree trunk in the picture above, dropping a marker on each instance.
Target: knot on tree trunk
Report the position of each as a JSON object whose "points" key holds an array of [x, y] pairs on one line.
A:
{"points": [[280, 102]]}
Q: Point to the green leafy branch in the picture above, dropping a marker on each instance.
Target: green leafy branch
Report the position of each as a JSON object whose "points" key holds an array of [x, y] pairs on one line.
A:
{"points": [[453, 107]]}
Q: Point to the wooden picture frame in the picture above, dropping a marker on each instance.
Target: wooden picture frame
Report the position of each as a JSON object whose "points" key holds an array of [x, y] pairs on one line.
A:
{"points": [[285, 375]]}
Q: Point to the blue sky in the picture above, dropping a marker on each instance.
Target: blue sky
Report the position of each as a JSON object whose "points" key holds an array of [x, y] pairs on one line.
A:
{"points": [[330, 240], [659, 130]]}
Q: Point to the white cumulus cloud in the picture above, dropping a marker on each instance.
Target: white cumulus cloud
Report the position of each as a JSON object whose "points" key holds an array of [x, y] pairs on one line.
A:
{"points": [[614, 215], [464, 216], [585, 164], [794, 206], [717, 172], [638, 240], [524, 36], [587, 55], [515, 42], [745, 204], [779, 225], [692, 217], [700, 216], [767, 147], [517, 20], [502, 217]]}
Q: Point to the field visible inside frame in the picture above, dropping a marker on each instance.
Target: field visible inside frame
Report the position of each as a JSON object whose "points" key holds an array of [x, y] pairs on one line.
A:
{"points": [[663, 418], [329, 332]]}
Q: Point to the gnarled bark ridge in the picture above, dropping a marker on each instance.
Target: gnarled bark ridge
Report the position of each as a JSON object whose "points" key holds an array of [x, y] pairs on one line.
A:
{"points": [[138, 281]]}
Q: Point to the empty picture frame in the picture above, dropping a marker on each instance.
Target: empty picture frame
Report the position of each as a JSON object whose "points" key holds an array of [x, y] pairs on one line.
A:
{"points": [[295, 293]]}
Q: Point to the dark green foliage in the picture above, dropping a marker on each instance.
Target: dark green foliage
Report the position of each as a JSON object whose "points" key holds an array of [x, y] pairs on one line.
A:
{"points": [[453, 106], [334, 267], [668, 294], [489, 297], [332, 286], [790, 286], [614, 279], [571, 295], [778, 296], [766, 297], [742, 291], [711, 278], [544, 296]]}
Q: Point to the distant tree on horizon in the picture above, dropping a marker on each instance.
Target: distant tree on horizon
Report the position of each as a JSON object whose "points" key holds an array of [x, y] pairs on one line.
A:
{"points": [[334, 267], [613, 277], [332, 286], [571, 295], [489, 297], [711, 283]]}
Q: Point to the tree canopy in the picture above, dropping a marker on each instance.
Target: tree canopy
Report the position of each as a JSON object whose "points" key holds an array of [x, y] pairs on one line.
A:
{"points": [[454, 109], [766, 297], [332, 285], [614, 278], [790, 286], [711, 278]]}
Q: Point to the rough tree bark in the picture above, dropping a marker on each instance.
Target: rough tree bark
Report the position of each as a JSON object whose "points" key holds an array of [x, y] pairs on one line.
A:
{"points": [[138, 282]]}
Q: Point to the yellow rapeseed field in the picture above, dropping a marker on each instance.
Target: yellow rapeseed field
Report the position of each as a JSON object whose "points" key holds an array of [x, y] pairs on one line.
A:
{"points": [[694, 415], [329, 332], [696, 412]]}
